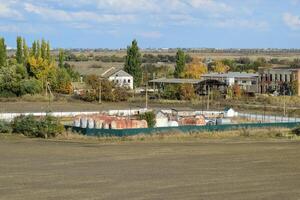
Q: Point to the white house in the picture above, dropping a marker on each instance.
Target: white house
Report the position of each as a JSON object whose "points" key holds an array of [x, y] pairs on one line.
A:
{"points": [[120, 77]]}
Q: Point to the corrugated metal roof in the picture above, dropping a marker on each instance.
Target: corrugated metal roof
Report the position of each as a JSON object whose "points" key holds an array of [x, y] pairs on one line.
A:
{"points": [[231, 75], [175, 81]]}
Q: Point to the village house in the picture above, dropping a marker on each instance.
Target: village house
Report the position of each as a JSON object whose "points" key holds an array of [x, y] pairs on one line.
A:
{"points": [[119, 77]]}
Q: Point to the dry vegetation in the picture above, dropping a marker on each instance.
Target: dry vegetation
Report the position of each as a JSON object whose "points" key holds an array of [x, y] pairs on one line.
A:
{"points": [[267, 133]]}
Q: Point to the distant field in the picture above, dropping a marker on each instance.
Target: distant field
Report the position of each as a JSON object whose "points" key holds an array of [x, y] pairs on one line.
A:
{"points": [[95, 67], [207, 169], [98, 67]]}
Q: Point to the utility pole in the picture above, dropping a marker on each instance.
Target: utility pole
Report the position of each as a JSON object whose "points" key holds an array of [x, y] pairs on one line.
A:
{"points": [[100, 93], [147, 95], [284, 104], [208, 98]]}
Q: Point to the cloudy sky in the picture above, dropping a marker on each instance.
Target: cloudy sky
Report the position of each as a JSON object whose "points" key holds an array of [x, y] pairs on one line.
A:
{"points": [[154, 23]]}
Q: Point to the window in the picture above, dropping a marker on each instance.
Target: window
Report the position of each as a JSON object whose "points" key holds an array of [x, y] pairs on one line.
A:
{"points": [[285, 78], [291, 78], [276, 78], [266, 77], [253, 82], [280, 78], [244, 81], [128, 80], [124, 81]]}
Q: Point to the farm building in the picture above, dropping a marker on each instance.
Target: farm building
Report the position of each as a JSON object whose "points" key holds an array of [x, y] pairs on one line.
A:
{"points": [[279, 80], [120, 77], [220, 81]]}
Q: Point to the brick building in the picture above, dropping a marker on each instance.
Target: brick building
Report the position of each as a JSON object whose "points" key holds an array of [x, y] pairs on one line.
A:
{"points": [[279, 80]]}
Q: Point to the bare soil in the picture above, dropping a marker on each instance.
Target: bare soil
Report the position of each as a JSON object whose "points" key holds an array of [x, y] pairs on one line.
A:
{"points": [[207, 169]]}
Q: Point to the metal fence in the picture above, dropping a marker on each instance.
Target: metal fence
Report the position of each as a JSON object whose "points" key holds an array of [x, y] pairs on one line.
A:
{"points": [[183, 129], [268, 118]]}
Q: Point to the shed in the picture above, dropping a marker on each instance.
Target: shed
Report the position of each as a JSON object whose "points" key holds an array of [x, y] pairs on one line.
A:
{"points": [[229, 112]]}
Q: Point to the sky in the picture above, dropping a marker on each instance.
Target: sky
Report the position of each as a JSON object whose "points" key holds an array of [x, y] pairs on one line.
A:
{"points": [[154, 23]]}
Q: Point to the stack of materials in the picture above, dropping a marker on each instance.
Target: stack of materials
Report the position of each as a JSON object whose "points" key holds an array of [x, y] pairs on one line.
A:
{"points": [[108, 122], [196, 121]]}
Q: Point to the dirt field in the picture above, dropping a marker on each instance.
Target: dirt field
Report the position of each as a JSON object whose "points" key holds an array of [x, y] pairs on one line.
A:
{"points": [[209, 169]]}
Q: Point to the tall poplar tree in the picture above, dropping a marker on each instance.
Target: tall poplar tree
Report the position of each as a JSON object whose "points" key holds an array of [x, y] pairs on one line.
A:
{"points": [[19, 52], [48, 51], [180, 64], [61, 58], [133, 63], [33, 49], [3, 55], [25, 50], [43, 49], [38, 49]]}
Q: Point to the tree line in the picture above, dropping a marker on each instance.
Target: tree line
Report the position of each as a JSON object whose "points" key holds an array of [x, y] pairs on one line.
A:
{"points": [[33, 70]]}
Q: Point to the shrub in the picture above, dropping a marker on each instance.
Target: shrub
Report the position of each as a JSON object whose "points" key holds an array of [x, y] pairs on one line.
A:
{"points": [[5, 127], [296, 131], [30, 86], [120, 94], [44, 127], [149, 117], [26, 125], [89, 96], [49, 127]]}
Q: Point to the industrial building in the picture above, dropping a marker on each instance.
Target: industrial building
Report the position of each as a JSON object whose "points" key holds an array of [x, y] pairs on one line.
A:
{"points": [[249, 82], [279, 80]]}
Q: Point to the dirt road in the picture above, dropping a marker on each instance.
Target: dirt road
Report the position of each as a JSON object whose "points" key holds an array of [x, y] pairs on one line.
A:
{"points": [[210, 169]]}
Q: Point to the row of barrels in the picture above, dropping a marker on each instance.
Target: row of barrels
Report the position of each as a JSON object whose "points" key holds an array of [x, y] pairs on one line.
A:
{"points": [[108, 122]]}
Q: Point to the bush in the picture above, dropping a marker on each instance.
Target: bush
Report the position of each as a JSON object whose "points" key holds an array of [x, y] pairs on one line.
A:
{"points": [[120, 94], [26, 125], [49, 127], [149, 117], [30, 86], [5, 127], [89, 96], [296, 131], [44, 127]]}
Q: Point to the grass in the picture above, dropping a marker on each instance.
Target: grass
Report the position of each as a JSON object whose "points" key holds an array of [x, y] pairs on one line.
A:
{"points": [[267, 133]]}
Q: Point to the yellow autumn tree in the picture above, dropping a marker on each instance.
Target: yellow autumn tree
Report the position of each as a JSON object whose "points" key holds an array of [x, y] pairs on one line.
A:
{"points": [[220, 67], [195, 69], [42, 69]]}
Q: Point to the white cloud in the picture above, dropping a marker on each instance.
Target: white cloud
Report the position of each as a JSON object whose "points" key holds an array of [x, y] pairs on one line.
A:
{"points": [[291, 21], [243, 23], [129, 5], [7, 12], [150, 34], [210, 5], [76, 16]]}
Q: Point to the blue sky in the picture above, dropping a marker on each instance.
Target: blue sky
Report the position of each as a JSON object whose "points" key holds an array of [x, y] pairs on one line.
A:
{"points": [[154, 23]]}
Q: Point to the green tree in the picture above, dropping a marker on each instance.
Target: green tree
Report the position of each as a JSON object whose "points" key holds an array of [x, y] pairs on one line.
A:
{"points": [[25, 50], [38, 49], [61, 58], [63, 81], [133, 63], [48, 51], [33, 52], [3, 55], [43, 49], [149, 117], [180, 64], [19, 52]]}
